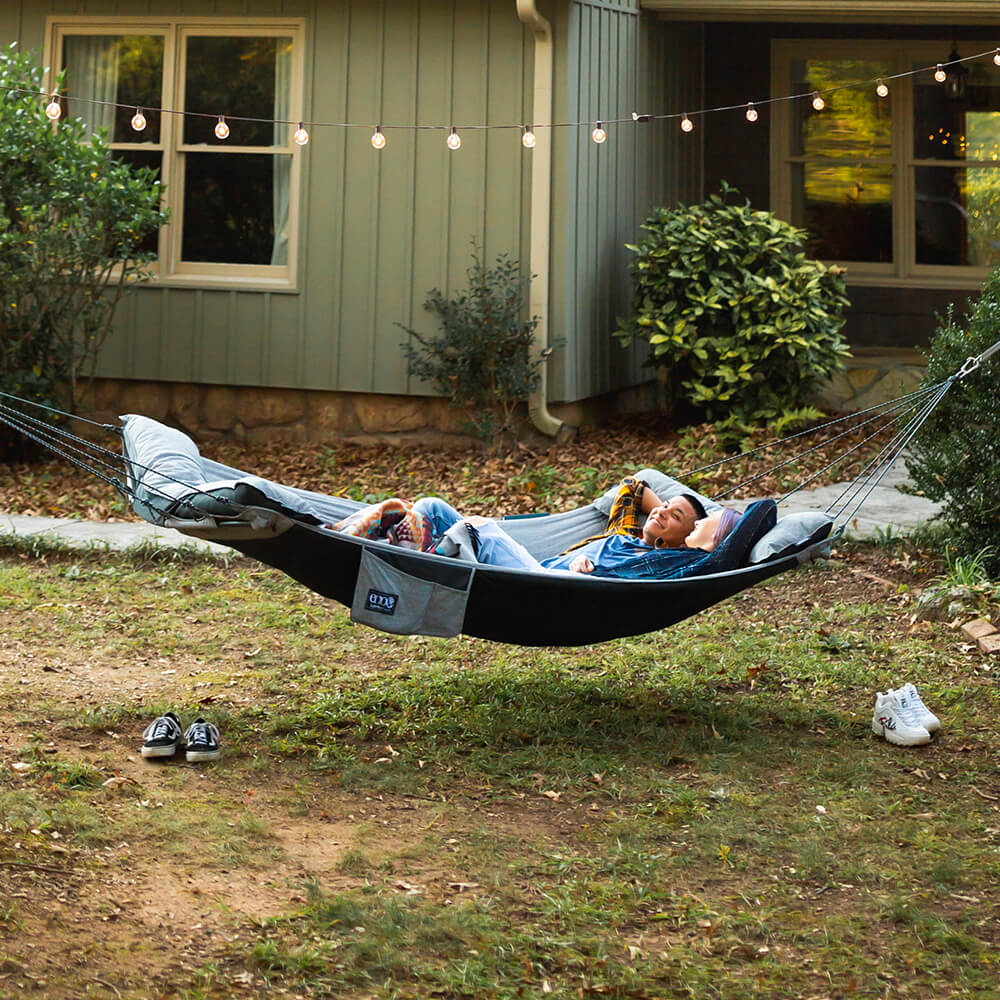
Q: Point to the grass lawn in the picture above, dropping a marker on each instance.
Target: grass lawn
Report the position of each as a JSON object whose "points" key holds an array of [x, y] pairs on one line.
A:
{"points": [[701, 812]]}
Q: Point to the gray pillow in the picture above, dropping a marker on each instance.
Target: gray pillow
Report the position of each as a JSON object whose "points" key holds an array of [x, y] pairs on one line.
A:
{"points": [[663, 486], [792, 533]]}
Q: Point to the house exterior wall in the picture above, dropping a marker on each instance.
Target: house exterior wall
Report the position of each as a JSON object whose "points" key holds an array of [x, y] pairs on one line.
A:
{"points": [[612, 59]]}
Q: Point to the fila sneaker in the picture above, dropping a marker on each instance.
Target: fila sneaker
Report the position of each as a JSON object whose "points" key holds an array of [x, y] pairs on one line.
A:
{"points": [[918, 712], [891, 722]]}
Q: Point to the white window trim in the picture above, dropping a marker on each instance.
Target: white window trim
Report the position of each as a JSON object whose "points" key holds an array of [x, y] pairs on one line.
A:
{"points": [[168, 270], [902, 56]]}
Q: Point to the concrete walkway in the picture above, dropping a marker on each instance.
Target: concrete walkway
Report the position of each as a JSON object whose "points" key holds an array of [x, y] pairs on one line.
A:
{"points": [[887, 509]]}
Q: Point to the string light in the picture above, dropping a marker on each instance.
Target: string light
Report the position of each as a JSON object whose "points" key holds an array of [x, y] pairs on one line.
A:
{"points": [[686, 124], [53, 110], [939, 74], [528, 137], [996, 58], [881, 89], [378, 138], [818, 103], [454, 140], [599, 135], [300, 135], [752, 115], [221, 128], [138, 120]]}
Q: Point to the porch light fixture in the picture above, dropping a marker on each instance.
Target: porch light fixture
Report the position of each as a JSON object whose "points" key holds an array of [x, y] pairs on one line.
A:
{"points": [[957, 78], [881, 89], [138, 120], [752, 115], [300, 135], [454, 140], [686, 124], [818, 103], [378, 138], [528, 137], [221, 128], [599, 135], [53, 110], [939, 74]]}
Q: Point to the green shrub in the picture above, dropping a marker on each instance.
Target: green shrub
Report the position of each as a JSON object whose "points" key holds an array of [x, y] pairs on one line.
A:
{"points": [[72, 225], [740, 321], [955, 458], [483, 359]]}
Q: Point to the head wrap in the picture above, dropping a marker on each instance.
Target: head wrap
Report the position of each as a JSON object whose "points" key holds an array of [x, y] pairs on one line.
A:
{"points": [[727, 522]]}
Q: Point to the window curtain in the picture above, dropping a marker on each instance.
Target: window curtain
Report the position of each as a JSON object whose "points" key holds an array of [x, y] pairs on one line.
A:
{"points": [[282, 163], [92, 75]]}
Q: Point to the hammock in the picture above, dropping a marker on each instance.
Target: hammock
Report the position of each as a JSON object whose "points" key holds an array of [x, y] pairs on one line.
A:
{"points": [[169, 483]]}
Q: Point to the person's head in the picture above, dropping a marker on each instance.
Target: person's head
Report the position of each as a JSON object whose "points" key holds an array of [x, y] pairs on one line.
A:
{"points": [[669, 524], [709, 532]]}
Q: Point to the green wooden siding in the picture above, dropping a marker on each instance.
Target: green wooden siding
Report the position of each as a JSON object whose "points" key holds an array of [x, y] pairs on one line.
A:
{"points": [[614, 61], [377, 231]]}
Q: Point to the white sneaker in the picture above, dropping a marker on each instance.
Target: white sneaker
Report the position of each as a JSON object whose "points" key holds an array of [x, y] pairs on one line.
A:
{"points": [[917, 711], [890, 721]]}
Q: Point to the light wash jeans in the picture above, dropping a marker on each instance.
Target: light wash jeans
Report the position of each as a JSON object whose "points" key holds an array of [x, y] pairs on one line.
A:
{"points": [[496, 547]]}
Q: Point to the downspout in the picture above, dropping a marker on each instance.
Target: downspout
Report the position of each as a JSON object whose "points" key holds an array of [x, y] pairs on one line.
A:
{"points": [[541, 200]]}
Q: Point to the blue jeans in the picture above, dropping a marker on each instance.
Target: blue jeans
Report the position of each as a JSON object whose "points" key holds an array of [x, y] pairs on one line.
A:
{"points": [[496, 547]]}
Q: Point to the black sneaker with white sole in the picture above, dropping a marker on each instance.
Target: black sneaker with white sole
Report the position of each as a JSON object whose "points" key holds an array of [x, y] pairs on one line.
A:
{"points": [[202, 740], [163, 737]]}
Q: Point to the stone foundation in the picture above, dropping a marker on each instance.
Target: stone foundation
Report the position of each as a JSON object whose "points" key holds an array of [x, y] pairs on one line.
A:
{"points": [[256, 415]]}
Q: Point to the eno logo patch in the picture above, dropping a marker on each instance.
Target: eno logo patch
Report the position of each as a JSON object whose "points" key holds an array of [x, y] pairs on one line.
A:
{"points": [[379, 601]]}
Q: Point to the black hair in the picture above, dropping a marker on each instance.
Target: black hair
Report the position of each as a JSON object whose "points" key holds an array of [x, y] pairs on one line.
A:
{"points": [[699, 509]]}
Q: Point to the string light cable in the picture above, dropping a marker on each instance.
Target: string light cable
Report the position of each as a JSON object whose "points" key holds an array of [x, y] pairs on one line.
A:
{"points": [[302, 131]]}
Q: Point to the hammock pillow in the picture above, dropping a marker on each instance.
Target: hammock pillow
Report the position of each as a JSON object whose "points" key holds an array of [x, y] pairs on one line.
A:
{"points": [[792, 533]]}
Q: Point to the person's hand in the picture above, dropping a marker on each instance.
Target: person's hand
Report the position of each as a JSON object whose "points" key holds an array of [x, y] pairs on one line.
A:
{"points": [[581, 564]]}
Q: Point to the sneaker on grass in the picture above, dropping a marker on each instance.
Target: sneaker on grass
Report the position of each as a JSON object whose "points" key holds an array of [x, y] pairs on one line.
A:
{"points": [[202, 740], [891, 721], [162, 737], [917, 711]]}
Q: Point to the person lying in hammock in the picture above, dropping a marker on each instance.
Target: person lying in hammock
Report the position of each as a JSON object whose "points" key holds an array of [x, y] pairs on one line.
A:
{"points": [[671, 540]]}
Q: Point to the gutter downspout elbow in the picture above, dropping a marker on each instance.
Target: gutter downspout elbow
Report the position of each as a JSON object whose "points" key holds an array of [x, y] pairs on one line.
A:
{"points": [[541, 201]]}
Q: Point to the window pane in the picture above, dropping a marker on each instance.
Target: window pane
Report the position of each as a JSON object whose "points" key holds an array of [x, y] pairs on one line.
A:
{"points": [[959, 119], [115, 69], [958, 216], [855, 124], [143, 158], [236, 208], [847, 210], [246, 77]]}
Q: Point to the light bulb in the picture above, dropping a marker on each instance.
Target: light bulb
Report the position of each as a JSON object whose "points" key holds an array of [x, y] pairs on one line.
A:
{"points": [[996, 58], [599, 135], [454, 140], [818, 103], [752, 115], [378, 138], [221, 128], [528, 138], [939, 74], [686, 124], [300, 135], [138, 120], [881, 89], [53, 110]]}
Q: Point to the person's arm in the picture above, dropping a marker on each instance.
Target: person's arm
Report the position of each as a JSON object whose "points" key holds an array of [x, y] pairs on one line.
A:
{"points": [[649, 499]]}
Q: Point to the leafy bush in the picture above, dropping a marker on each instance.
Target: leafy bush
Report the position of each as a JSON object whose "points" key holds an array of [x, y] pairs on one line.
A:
{"points": [[72, 225], [740, 320], [955, 458], [483, 360]]}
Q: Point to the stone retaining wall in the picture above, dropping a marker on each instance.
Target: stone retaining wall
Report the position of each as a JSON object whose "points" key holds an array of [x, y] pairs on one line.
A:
{"points": [[254, 414]]}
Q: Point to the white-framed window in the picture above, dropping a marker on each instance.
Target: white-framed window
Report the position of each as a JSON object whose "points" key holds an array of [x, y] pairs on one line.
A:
{"points": [[902, 189], [233, 202]]}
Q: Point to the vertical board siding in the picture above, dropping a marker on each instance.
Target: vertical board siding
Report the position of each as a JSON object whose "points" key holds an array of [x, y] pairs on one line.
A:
{"points": [[615, 61], [377, 230]]}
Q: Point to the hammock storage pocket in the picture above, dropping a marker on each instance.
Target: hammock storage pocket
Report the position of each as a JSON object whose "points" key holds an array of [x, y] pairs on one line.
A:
{"points": [[394, 599]]}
